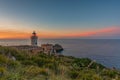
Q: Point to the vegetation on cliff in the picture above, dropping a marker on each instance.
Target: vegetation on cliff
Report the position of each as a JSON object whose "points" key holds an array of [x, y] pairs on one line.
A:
{"points": [[21, 65]]}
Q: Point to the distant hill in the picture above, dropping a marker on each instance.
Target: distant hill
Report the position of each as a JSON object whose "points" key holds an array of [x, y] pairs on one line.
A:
{"points": [[21, 65]]}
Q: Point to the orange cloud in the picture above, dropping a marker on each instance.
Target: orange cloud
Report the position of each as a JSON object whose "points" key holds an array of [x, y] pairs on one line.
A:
{"points": [[109, 31], [23, 35], [13, 34]]}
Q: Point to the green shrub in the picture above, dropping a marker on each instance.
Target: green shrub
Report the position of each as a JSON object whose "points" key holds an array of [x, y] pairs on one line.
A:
{"points": [[14, 76], [28, 62], [3, 60], [34, 70], [2, 71], [109, 73], [74, 74], [13, 64]]}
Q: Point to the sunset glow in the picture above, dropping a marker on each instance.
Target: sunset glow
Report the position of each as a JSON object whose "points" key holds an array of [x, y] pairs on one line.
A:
{"points": [[97, 33], [51, 20]]}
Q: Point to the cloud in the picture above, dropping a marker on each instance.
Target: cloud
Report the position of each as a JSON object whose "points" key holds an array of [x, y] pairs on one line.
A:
{"points": [[13, 34], [108, 32]]}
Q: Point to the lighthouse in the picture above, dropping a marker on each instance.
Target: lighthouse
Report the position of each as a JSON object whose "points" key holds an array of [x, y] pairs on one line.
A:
{"points": [[34, 39]]}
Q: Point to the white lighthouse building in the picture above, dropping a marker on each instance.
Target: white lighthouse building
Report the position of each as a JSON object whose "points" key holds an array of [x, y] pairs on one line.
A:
{"points": [[34, 39]]}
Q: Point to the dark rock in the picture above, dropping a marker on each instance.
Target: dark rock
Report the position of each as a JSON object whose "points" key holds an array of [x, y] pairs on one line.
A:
{"points": [[58, 48]]}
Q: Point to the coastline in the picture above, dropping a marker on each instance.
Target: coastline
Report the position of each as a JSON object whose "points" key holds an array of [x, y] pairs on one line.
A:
{"points": [[93, 49], [41, 66]]}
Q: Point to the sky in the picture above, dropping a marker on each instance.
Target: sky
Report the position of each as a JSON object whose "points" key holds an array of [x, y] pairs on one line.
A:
{"points": [[90, 19]]}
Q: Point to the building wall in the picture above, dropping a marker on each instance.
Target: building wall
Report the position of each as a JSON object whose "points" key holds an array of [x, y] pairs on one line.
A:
{"points": [[34, 40]]}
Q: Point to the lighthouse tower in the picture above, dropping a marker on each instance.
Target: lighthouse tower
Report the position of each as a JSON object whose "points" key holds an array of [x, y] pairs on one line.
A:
{"points": [[34, 39]]}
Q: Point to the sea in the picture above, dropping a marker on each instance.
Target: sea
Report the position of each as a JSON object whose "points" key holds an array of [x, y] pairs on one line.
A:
{"points": [[104, 51]]}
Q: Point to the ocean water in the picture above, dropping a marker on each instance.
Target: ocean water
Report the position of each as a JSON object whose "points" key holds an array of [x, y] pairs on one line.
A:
{"points": [[104, 51]]}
